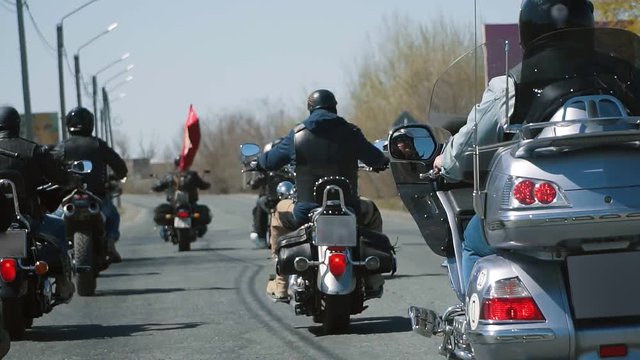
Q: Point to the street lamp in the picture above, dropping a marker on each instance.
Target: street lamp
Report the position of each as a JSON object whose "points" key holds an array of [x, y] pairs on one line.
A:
{"points": [[60, 65], [129, 78], [94, 82], [76, 58], [126, 70]]}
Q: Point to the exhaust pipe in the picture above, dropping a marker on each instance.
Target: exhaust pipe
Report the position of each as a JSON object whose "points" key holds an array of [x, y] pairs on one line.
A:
{"points": [[94, 208], [69, 210]]}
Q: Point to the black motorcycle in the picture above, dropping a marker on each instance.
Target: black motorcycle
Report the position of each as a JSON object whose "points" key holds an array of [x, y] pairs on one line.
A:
{"points": [[181, 221]]}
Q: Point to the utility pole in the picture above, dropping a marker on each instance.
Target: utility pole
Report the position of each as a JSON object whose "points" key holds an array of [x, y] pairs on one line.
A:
{"points": [[98, 125], [76, 63], [25, 73], [63, 131]]}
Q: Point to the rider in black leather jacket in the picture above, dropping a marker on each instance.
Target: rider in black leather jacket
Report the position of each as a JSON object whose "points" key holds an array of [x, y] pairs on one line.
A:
{"points": [[81, 145]]}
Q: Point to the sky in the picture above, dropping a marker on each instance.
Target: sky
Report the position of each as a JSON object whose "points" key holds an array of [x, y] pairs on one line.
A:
{"points": [[220, 56]]}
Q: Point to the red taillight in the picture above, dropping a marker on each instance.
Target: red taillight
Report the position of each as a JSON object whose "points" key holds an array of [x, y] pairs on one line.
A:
{"points": [[609, 351], [545, 193], [523, 192], [337, 264], [500, 309], [182, 214], [8, 269], [80, 196]]}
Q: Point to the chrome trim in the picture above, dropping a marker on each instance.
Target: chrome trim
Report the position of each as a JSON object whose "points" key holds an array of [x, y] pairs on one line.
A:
{"points": [[457, 241], [511, 336]]}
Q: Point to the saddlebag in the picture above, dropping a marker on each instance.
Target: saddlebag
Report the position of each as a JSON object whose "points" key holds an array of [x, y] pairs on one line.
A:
{"points": [[291, 246], [160, 214], [373, 243], [205, 215], [49, 252]]}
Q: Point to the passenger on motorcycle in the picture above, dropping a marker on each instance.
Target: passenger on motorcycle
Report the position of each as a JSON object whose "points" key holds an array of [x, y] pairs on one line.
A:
{"points": [[328, 145], [537, 18], [81, 145], [37, 166], [188, 181]]}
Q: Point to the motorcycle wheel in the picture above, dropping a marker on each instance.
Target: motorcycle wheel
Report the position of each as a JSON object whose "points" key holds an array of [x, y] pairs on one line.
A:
{"points": [[336, 313], [13, 319], [86, 280], [184, 239]]}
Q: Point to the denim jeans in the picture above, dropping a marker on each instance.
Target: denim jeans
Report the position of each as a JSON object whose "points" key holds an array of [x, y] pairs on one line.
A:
{"points": [[112, 219], [474, 247]]}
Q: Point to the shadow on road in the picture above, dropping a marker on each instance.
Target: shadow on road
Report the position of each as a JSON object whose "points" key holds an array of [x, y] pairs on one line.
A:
{"points": [[97, 331], [216, 249], [128, 292], [128, 274], [372, 325]]}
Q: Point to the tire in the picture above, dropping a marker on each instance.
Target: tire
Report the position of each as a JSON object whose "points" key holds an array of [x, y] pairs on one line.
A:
{"points": [[86, 280], [336, 313], [184, 239], [13, 319]]}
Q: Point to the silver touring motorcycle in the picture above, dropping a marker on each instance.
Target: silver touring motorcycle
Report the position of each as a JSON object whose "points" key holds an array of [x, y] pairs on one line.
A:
{"points": [[559, 200]]}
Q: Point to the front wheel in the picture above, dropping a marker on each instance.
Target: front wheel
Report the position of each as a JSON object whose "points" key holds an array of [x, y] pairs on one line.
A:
{"points": [[336, 313], [85, 280], [184, 239]]}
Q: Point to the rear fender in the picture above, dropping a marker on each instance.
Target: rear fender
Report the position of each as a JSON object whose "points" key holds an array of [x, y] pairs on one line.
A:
{"points": [[330, 284]]}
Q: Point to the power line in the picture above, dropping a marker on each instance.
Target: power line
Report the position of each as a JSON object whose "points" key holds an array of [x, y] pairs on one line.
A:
{"points": [[8, 8], [10, 2], [51, 48]]}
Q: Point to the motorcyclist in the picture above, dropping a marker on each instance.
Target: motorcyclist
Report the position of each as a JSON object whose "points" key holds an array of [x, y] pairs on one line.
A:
{"points": [[37, 166], [81, 145], [266, 184], [537, 18], [323, 145], [186, 180]]}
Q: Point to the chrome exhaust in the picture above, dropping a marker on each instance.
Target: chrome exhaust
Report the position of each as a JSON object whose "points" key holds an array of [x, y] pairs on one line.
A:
{"points": [[69, 210]]}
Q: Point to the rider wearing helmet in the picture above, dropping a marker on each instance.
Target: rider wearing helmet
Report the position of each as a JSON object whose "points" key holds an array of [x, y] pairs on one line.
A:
{"points": [[81, 145], [323, 145], [537, 18], [32, 166]]}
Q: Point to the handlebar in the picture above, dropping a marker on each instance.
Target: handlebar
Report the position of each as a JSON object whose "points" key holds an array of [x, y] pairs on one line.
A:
{"points": [[432, 174]]}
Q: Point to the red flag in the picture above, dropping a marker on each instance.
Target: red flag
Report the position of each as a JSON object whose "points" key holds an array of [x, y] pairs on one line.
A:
{"points": [[190, 141]]}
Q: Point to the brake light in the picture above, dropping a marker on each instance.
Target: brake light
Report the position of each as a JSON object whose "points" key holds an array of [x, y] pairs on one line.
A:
{"points": [[609, 351], [8, 269], [523, 192], [182, 214], [509, 300], [545, 193], [80, 196], [337, 264]]}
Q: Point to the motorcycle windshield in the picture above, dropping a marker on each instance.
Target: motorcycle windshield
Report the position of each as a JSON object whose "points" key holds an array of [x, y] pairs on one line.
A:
{"points": [[574, 62]]}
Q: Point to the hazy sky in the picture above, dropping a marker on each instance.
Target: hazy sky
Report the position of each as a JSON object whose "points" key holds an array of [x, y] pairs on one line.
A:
{"points": [[219, 55]]}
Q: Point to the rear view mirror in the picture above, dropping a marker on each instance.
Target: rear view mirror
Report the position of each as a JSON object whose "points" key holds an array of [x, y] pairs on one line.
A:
{"points": [[412, 142], [249, 150], [81, 167]]}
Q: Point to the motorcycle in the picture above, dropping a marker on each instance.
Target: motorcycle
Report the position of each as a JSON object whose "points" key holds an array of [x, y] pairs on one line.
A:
{"points": [[85, 230], [330, 261], [29, 262], [181, 222], [557, 207]]}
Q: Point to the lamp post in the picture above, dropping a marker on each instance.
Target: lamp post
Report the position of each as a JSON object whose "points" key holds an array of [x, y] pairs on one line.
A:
{"points": [[129, 78], [94, 82], [25, 72], [126, 70], [60, 38], [76, 59]]}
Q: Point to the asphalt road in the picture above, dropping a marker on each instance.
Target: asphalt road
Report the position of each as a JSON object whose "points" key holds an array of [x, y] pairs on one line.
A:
{"points": [[210, 303]]}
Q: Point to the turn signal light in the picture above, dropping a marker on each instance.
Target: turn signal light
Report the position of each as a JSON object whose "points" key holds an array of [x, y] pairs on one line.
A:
{"points": [[509, 300], [8, 269], [610, 351], [182, 214], [196, 215], [168, 216], [41, 268], [529, 193], [523, 192], [337, 264]]}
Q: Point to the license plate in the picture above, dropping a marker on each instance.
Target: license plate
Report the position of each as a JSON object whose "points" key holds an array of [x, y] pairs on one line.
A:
{"points": [[13, 243], [336, 231], [179, 223]]}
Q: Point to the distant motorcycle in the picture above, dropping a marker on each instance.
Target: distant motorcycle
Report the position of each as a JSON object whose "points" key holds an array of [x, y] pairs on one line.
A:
{"points": [[328, 259]]}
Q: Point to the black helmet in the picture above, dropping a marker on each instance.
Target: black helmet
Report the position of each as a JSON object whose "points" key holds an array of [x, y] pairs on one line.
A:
{"points": [[80, 121], [9, 119], [322, 99], [539, 17]]}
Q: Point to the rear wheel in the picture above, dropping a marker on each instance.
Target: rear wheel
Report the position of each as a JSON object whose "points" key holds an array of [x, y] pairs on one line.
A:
{"points": [[13, 318], [336, 313], [85, 280], [184, 239]]}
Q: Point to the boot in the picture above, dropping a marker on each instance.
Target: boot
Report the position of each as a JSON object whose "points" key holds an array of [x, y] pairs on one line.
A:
{"points": [[114, 255], [373, 286], [277, 289], [64, 289]]}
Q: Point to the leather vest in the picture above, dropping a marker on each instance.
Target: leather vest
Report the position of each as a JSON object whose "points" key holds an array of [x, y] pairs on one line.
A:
{"points": [[316, 158], [23, 172], [88, 148]]}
